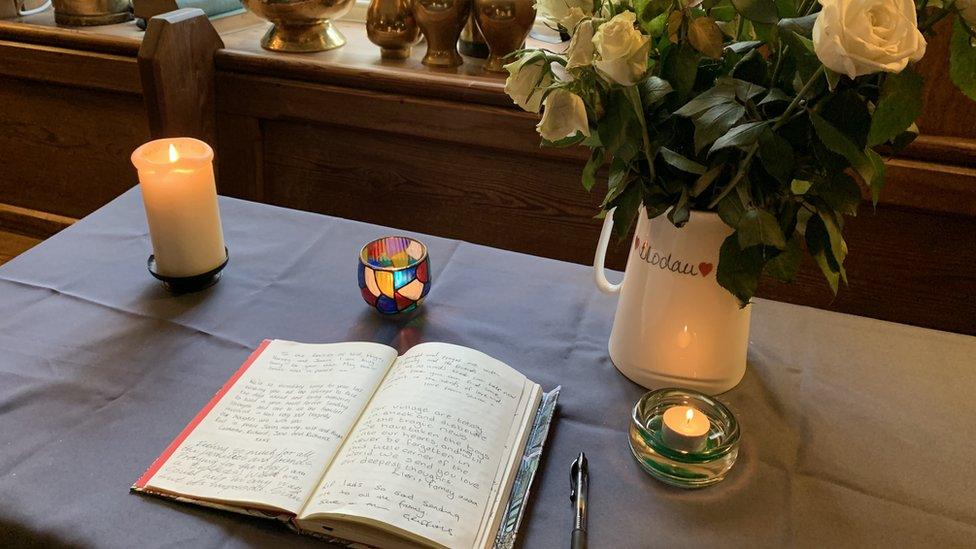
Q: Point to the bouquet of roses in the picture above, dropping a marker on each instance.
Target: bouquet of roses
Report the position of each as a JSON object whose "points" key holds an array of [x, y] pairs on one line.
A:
{"points": [[772, 113]]}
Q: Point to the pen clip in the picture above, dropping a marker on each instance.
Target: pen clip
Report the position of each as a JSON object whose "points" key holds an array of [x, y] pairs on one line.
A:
{"points": [[573, 476]]}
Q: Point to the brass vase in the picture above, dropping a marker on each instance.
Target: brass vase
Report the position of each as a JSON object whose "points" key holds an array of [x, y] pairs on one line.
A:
{"points": [[391, 26], [441, 22], [301, 25], [85, 13], [504, 24], [472, 44]]}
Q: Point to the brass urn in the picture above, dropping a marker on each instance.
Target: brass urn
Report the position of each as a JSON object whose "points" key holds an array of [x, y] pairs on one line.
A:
{"points": [[301, 25], [441, 21], [391, 26], [504, 24], [85, 13]]}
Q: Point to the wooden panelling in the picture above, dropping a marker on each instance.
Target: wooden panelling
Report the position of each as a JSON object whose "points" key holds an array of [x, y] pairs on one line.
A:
{"points": [[240, 157], [471, 124], [14, 244], [66, 150], [30, 222], [947, 111], [511, 201], [69, 67], [905, 265]]}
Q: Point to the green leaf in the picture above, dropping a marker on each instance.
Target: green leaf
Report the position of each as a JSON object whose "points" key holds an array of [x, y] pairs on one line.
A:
{"points": [[744, 89], [838, 247], [716, 95], [620, 129], [818, 245], [762, 11], [802, 52], [680, 162], [730, 209], [785, 265], [715, 122], [840, 192], [833, 79], [799, 186], [738, 270], [866, 162], [800, 25], [878, 169], [848, 112], [744, 47], [649, 9], [657, 201], [777, 156], [751, 68], [626, 204], [774, 95], [706, 179], [680, 68], [742, 135], [680, 213], [653, 89], [898, 106], [962, 60], [597, 157], [905, 138], [759, 227]]}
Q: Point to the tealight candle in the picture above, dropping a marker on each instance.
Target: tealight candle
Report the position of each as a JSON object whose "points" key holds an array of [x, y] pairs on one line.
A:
{"points": [[685, 428], [180, 196]]}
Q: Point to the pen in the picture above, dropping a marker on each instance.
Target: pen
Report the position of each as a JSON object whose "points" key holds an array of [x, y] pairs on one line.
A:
{"points": [[579, 482]]}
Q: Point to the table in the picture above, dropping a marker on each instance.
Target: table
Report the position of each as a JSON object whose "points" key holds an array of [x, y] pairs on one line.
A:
{"points": [[856, 432]]}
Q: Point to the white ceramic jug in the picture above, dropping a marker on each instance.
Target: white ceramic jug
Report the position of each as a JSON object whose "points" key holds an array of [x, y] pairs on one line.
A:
{"points": [[675, 326]]}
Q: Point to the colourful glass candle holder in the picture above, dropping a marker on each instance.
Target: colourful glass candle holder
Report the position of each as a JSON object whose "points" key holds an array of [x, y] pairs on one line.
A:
{"points": [[394, 274]]}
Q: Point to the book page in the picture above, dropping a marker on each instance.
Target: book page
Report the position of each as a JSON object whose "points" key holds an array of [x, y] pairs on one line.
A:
{"points": [[272, 434], [427, 454]]}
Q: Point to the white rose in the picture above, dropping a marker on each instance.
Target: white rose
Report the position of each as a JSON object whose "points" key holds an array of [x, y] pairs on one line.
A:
{"points": [[580, 52], [858, 37], [572, 19], [563, 116], [558, 10], [621, 49], [523, 84], [967, 10]]}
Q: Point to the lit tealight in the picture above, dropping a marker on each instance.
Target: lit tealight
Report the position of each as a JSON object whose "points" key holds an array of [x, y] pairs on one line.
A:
{"points": [[685, 428], [173, 154]]}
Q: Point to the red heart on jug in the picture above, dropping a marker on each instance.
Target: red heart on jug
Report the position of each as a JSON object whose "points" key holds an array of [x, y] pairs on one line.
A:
{"points": [[705, 268]]}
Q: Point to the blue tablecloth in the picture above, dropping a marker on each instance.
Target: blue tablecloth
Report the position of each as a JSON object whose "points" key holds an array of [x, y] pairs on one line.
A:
{"points": [[856, 432]]}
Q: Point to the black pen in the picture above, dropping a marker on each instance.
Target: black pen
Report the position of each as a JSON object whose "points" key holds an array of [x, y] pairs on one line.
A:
{"points": [[579, 482]]}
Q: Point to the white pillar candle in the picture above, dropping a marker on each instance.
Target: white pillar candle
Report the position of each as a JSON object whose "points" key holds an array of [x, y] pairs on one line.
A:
{"points": [[178, 190], [685, 428]]}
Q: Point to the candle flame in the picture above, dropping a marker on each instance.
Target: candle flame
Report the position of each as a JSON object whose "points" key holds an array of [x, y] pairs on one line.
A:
{"points": [[689, 415], [173, 155]]}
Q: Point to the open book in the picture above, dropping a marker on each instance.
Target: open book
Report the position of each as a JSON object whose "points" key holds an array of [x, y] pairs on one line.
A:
{"points": [[350, 441]]}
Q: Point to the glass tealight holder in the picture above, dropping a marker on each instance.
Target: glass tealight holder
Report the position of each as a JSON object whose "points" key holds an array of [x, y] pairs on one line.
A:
{"points": [[696, 468], [394, 274]]}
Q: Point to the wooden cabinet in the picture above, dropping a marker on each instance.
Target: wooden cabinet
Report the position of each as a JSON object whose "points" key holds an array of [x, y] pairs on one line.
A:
{"points": [[444, 152]]}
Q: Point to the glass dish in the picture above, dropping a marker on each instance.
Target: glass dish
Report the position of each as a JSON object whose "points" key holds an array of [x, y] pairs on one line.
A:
{"points": [[685, 469]]}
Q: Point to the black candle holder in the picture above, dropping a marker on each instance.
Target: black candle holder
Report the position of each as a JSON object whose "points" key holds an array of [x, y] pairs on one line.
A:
{"points": [[188, 284]]}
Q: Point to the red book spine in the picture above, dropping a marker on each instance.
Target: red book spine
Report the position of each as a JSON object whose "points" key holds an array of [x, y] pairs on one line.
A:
{"points": [[158, 463]]}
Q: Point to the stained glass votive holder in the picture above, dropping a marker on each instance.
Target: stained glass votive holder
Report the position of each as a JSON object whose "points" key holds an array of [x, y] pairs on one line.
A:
{"points": [[394, 274], [686, 469]]}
